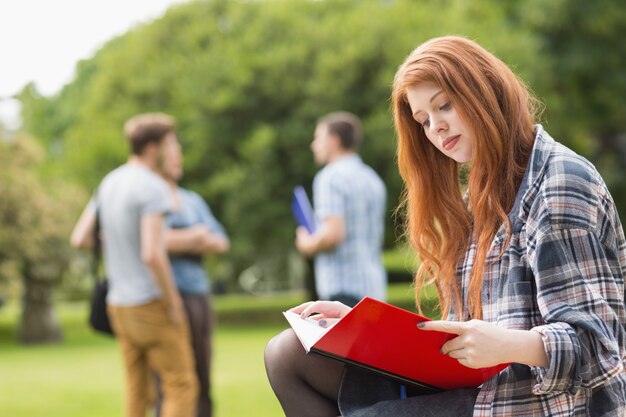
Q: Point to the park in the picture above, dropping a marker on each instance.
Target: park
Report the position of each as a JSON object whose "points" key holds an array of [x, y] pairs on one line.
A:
{"points": [[246, 82]]}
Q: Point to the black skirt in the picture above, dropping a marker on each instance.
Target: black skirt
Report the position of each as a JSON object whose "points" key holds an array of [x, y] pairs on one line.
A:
{"points": [[365, 394]]}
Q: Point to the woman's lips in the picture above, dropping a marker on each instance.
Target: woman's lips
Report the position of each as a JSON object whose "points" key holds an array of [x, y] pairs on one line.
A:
{"points": [[449, 142]]}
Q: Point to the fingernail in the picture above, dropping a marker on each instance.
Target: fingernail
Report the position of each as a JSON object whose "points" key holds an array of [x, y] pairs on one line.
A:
{"points": [[322, 323], [420, 324]]}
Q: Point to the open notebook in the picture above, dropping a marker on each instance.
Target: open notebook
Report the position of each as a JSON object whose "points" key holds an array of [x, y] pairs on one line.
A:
{"points": [[385, 339]]}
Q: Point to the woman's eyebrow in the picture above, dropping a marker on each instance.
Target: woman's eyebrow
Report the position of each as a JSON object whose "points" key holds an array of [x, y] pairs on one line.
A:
{"points": [[430, 101], [435, 95]]}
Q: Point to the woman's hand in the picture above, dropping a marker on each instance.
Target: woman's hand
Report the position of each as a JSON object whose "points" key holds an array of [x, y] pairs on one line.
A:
{"points": [[481, 344], [324, 309]]}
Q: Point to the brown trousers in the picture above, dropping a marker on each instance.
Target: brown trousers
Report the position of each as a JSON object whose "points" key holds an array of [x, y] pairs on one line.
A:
{"points": [[201, 323], [149, 341]]}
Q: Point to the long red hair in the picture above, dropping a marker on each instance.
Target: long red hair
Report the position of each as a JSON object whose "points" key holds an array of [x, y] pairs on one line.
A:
{"points": [[500, 111]]}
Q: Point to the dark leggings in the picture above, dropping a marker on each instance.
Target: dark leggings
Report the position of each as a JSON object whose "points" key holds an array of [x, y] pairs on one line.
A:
{"points": [[311, 385], [306, 385]]}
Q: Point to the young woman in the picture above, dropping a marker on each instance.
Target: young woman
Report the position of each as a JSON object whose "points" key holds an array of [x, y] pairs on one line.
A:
{"points": [[529, 262]]}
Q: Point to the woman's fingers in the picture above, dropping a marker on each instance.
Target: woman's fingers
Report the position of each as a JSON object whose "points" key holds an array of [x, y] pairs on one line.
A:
{"points": [[327, 309], [298, 309]]}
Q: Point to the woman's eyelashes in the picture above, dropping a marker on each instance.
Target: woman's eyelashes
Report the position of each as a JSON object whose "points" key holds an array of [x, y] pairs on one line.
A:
{"points": [[444, 107]]}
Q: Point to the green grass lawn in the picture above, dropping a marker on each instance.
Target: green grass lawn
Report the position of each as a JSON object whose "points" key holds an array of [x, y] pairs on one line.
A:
{"points": [[82, 376]]}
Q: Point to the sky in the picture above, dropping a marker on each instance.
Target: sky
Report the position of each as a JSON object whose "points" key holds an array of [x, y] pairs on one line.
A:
{"points": [[42, 40]]}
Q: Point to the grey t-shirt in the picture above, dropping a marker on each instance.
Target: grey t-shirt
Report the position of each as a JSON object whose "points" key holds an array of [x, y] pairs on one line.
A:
{"points": [[124, 196]]}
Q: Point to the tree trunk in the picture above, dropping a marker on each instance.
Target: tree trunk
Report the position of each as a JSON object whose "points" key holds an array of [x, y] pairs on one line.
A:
{"points": [[39, 321]]}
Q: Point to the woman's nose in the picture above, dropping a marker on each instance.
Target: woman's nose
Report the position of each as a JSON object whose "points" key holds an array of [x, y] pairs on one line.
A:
{"points": [[438, 125]]}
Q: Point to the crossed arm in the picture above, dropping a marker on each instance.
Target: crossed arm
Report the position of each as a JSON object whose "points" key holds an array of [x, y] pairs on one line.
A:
{"points": [[196, 240]]}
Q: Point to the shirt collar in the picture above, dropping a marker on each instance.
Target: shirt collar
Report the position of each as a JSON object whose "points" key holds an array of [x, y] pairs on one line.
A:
{"points": [[348, 158], [537, 164]]}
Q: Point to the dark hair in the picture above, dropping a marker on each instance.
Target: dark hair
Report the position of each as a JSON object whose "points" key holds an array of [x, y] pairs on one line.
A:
{"points": [[346, 126], [147, 128]]}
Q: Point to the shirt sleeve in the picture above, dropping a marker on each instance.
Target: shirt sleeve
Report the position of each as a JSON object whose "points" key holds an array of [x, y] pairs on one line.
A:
{"points": [[155, 197], [92, 204], [207, 217], [580, 295], [327, 197]]}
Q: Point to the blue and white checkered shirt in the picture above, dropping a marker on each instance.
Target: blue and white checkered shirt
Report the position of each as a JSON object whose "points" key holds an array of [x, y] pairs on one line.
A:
{"points": [[562, 275], [353, 191]]}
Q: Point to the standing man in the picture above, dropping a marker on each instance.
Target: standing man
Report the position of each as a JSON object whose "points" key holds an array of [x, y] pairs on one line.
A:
{"points": [[144, 306], [349, 200], [193, 232]]}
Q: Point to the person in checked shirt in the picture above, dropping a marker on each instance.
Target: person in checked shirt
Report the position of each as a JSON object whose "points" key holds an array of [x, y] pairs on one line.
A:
{"points": [[528, 256]]}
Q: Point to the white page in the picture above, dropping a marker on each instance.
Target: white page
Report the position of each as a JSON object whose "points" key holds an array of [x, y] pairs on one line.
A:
{"points": [[307, 330]]}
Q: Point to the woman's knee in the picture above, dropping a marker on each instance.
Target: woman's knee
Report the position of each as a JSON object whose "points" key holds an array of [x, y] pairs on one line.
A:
{"points": [[281, 351]]}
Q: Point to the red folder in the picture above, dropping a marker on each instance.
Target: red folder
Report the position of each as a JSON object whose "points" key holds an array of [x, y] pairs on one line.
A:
{"points": [[385, 339]]}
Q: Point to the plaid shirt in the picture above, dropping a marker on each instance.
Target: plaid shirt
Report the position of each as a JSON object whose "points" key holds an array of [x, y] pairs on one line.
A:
{"points": [[563, 276], [350, 189]]}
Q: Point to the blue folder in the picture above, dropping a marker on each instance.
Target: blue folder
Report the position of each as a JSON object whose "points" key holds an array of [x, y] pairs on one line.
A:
{"points": [[302, 210]]}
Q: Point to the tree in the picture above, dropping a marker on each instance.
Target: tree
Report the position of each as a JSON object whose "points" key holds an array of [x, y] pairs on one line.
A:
{"points": [[584, 56], [34, 226], [246, 82]]}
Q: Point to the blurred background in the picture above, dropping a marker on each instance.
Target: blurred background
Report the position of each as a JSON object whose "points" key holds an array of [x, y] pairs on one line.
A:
{"points": [[246, 81]]}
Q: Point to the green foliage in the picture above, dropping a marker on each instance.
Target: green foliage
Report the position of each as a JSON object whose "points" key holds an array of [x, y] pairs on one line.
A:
{"points": [[34, 225], [247, 81], [34, 219], [585, 56]]}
